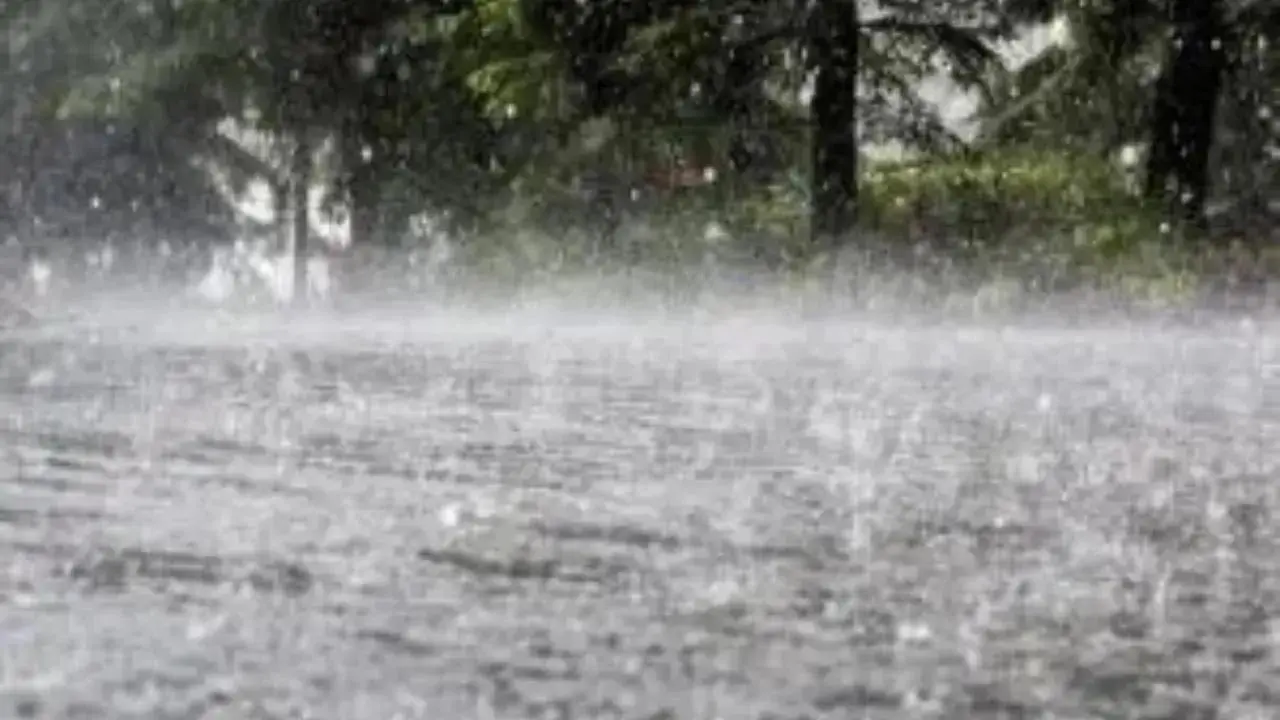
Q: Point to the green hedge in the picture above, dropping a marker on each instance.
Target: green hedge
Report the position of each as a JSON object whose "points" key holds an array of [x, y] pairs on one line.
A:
{"points": [[992, 197], [1045, 220]]}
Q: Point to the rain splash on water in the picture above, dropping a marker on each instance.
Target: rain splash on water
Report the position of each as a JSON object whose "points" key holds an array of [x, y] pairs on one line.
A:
{"points": [[427, 511]]}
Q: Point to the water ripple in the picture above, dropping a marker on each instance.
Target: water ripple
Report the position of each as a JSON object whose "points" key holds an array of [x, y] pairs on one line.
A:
{"points": [[662, 522]]}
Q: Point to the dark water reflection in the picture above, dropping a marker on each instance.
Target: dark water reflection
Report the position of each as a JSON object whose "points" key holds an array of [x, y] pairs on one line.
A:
{"points": [[683, 521]]}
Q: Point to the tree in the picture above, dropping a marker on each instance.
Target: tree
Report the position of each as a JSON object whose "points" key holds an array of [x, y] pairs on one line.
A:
{"points": [[723, 74], [1089, 90], [1163, 67], [1184, 109], [834, 54], [1247, 168], [75, 174]]}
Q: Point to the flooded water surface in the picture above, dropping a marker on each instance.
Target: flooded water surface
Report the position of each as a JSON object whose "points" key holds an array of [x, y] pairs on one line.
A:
{"points": [[445, 515]]}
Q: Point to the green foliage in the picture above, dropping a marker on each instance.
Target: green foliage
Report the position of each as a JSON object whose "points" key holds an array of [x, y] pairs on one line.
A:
{"points": [[1051, 219], [512, 72], [975, 204], [514, 118], [992, 194]]}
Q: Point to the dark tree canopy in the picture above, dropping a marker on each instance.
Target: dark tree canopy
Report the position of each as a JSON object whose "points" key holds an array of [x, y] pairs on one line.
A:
{"points": [[586, 114]]}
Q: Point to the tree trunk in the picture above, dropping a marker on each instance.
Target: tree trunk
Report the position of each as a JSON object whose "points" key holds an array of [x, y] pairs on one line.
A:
{"points": [[1183, 111], [834, 54], [280, 206], [364, 212], [360, 188], [737, 98], [300, 182]]}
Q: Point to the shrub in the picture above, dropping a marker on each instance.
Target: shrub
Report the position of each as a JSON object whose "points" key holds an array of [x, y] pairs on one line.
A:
{"points": [[1042, 220]]}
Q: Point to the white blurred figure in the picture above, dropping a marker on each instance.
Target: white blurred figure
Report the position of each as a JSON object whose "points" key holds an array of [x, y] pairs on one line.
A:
{"points": [[433, 250], [25, 273], [103, 259], [319, 279], [252, 270], [275, 272], [40, 274], [218, 284]]}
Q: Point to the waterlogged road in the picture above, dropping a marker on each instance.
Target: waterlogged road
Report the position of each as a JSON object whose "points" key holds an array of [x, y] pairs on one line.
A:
{"points": [[546, 516]]}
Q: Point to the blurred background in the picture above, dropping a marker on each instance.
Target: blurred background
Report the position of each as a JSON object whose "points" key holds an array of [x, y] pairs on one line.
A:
{"points": [[526, 135]]}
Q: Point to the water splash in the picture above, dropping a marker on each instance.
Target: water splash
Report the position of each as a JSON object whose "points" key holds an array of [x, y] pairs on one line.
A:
{"points": [[629, 512]]}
